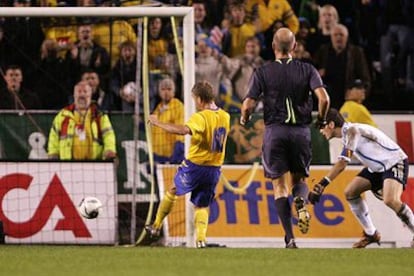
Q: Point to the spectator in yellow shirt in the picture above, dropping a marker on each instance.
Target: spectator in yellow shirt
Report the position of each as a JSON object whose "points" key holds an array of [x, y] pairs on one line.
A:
{"points": [[110, 34], [80, 131], [239, 30], [268, 12], [168, 147], [61, 30], [353, 110]]}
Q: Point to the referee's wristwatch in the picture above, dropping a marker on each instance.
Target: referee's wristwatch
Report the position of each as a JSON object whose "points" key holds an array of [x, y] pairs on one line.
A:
{"points": [[244, 121], [321, 122]]}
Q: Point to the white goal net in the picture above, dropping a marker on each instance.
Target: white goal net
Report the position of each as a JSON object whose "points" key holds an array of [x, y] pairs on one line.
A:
{"points": [[133, 185]]}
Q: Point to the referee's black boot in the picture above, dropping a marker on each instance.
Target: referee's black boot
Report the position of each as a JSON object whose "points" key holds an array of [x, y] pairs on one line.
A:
{"points": [[303, 214]]}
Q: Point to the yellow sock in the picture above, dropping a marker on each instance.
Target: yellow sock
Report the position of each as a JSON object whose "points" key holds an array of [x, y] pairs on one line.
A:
{"points": [[201, 223], [164, 208]]}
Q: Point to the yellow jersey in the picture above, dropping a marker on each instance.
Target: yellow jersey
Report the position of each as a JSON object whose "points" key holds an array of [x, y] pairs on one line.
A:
{"points": [[274, 10], [239, 35], [209, 132], [82, 138], [121, 31], [157, 51], [63, 35], [163, 142], [354, 112]]}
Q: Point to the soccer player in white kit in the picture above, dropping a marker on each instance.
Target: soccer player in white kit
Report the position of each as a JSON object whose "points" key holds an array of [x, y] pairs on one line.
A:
{"points": [[385, 172]]}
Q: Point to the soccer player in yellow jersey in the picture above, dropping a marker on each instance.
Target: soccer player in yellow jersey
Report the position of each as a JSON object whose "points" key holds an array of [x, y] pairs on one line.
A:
{"points": [[353, 110], [200, 171]]}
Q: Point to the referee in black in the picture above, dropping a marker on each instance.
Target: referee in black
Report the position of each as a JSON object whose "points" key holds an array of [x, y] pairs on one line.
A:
{"points": [[286, 86]]}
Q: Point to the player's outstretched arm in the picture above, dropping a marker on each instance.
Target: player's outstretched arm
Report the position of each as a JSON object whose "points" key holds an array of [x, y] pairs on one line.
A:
{"points": [[169, 127], [317, 190]]}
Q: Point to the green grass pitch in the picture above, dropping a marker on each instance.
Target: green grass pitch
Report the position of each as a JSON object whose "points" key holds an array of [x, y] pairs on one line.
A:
{"points": [[105, 260]]}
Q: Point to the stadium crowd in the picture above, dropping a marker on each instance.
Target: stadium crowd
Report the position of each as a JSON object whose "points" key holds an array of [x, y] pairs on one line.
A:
{"points": [[346, 40]]}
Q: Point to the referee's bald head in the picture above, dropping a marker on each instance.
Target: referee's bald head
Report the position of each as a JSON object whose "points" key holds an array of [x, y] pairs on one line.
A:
{"points": [[283, 41]]}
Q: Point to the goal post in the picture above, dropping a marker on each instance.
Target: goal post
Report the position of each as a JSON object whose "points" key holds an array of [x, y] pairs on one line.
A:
{"points": [[188, 38]]}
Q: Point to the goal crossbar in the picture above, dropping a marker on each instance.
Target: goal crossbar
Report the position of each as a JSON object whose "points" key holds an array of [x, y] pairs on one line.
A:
{"points": [[95, 11]]}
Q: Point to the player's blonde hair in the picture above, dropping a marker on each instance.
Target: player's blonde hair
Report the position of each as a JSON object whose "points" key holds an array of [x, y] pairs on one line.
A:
{"points": [[204, 91]]}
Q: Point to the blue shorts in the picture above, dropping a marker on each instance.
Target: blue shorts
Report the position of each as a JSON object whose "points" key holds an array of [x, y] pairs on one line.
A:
{"points": [[177, 156], [398, 172], [286, 148], [201, 181]]}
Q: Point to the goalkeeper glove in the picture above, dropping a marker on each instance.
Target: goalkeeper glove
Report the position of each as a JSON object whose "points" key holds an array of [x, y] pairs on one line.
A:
{"points": [[315, 195]]}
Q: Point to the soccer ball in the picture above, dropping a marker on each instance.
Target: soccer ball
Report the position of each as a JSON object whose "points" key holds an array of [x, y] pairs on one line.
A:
{"points": [[90, 207]]}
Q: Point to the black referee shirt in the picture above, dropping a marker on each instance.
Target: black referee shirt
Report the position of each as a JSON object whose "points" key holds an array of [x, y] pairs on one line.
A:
{"points": [[286, 86]]}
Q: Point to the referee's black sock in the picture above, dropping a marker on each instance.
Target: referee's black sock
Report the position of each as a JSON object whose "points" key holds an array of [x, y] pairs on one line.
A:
{"points": [[284, 212], [300, 189]]}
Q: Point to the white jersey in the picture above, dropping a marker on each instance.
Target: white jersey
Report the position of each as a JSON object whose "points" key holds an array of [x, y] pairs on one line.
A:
{"points": [[371, 146]]}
